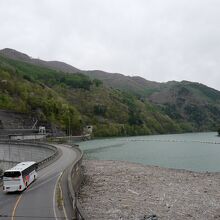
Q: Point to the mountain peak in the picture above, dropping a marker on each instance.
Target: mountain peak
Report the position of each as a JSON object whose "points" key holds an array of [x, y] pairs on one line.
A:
{"points": [[56, 65], [14, 54], [116, 80]]}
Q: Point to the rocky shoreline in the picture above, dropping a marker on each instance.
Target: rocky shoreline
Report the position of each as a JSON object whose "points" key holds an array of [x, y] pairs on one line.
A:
{"points": [[123, 190]]}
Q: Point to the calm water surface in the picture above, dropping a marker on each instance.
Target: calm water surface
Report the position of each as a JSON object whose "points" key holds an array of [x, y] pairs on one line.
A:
{"points": [[194, 151]]}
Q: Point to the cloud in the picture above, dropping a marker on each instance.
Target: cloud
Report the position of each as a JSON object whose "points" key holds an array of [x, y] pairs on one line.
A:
{"points": [[159, 40]]}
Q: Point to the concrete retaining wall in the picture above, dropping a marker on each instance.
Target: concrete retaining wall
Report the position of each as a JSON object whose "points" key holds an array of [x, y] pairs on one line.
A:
{"points": [[13, 153], [75, 178], [43, 161]]}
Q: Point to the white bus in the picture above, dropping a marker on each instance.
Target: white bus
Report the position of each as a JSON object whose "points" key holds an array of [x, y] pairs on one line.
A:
{"points": [[19, 177]]}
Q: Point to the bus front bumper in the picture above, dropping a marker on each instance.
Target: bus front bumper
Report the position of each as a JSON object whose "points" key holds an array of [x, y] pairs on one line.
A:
{"points": [[12, 188]]}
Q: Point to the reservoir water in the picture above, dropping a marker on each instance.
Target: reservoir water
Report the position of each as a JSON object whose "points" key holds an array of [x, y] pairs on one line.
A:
{"points": [[193, 151]]}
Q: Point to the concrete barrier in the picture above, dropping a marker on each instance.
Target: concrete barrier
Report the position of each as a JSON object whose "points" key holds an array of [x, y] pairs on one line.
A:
{"points": [[75, 178], [45, 162], [71, 139]]}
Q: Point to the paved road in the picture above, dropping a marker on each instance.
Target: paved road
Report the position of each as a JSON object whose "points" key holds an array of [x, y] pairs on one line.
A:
{"points": [[38, 201]]}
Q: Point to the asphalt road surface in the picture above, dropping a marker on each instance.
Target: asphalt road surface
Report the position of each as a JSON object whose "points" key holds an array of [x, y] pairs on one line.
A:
{"points": [[38, 201]]}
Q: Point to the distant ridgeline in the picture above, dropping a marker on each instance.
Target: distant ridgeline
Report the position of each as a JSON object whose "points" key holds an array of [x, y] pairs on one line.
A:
{"points": [[116, 105]]}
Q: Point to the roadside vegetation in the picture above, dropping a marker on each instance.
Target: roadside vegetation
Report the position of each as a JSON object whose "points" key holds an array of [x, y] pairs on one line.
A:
{"points": [[19, 92]]}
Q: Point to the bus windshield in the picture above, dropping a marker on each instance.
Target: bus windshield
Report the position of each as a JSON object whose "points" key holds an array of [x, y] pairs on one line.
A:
{"points": [[12, 174]]}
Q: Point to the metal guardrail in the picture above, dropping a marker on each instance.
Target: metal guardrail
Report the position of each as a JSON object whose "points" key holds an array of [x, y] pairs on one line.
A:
{"points": [[75, 177]]}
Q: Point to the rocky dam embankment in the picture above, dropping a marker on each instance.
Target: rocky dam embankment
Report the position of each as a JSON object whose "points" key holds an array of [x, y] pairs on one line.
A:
{"points": [[123, 190]]}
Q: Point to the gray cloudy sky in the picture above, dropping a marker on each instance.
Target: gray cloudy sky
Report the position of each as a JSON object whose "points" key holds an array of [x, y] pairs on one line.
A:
{"points": [[160, 40]]}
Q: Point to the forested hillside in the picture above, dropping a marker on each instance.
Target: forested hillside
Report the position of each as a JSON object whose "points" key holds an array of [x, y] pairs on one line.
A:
{"points": [[115, 104], [21, 92], [63, 98], [192, 102]]}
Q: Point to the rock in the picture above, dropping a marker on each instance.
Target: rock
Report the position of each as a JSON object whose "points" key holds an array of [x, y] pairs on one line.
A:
{"points": [[134, 190]]}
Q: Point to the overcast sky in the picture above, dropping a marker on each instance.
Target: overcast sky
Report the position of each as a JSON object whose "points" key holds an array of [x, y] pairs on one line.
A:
{"points": [[160, 40]]}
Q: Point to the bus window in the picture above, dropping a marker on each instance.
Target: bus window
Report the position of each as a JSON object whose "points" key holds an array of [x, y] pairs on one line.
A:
{"points": [[12, 174]]}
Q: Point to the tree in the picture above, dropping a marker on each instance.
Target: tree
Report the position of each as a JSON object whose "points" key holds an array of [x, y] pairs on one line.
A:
{"points": [[97, 82]]}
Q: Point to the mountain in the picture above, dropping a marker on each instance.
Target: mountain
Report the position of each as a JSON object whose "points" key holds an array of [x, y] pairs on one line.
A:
{"points": [[188, 106], [136, 85], [68, 102], [56, 65], [189, 101]]}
